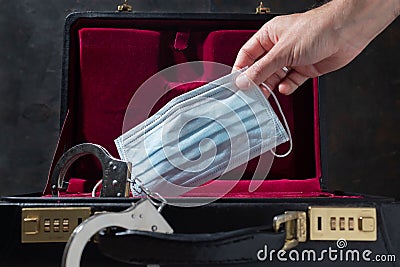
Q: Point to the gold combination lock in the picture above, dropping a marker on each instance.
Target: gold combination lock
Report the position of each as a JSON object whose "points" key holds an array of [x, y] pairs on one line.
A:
{"points": [[40, 225], [327, 224]]}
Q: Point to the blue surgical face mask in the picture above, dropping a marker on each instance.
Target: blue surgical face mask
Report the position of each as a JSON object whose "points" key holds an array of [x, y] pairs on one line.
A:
{"points": [[201, 135]]}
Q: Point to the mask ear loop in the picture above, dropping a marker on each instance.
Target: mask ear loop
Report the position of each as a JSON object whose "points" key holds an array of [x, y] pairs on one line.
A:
{"points": [[96, 187], [284, 121]]}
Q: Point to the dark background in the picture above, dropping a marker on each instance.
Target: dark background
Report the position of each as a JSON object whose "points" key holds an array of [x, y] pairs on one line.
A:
{"points": [[362, 101]]}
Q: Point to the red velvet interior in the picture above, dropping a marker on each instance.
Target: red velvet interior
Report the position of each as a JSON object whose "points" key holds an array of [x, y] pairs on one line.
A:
{"points": [[111, 63]]}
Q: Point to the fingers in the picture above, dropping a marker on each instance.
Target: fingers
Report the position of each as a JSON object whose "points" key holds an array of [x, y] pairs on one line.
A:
{"points": [[253, 49], [263, 68], [273, 81], [291, 82], [266, 56], [266, 66], [262, 55], [285, 79], [276, 77]]}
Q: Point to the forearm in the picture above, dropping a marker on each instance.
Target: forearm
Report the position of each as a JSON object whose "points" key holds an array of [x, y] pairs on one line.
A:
{"points": [[314, 43], [361, 20]]}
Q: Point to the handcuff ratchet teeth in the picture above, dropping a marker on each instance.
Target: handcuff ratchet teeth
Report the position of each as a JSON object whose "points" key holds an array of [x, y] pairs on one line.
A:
{"points": [[116, 173]]}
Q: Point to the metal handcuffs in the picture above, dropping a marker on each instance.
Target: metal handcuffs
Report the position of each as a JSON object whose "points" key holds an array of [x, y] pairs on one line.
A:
{"points": [[116, 173]]}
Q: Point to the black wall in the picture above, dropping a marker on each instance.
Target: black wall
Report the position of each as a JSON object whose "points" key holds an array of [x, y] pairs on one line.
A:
{"points": [[362, 100]]}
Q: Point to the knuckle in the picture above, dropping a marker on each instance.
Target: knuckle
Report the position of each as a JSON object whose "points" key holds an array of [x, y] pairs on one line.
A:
{"points": [[273, 80], [294, 82], [256, 71], [276, 77], [246, 53], [313, 72]]}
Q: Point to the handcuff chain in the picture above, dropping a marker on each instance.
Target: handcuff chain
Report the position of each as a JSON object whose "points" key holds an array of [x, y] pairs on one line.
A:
{"points": [[154, 197]]}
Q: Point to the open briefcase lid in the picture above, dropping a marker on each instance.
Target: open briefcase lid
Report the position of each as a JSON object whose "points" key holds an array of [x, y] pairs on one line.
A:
{"points": [[107, 56]]}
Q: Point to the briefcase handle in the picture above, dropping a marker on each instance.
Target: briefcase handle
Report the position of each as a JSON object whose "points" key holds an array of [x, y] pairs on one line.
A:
{"points": [[246, 246], [149, 239]]}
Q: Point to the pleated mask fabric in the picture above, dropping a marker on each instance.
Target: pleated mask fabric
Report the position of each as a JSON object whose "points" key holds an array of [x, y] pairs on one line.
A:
{"points": [[201, 135]]}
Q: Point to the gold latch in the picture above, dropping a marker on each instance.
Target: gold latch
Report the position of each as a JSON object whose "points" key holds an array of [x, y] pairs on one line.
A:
{"points": [[352, 224], [40, 225], [261, 9], [328, 224], [295, 227], [125, 7], [30, 225]]}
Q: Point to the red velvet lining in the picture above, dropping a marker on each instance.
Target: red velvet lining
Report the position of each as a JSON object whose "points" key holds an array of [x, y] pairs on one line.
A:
{"points": [[268, 189], [223, 46], [113, 63]]}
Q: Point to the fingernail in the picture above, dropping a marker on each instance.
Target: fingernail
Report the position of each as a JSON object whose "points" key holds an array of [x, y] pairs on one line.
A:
{"points": [[242, 82]]}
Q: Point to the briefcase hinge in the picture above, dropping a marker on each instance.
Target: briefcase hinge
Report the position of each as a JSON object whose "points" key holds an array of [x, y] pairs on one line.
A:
{"points": [[125, 7], [261, 9], [295, 227], [48, 225]]}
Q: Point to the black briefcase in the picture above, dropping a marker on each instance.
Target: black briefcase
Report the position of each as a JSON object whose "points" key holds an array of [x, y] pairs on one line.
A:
{"points": [[290, 219]]}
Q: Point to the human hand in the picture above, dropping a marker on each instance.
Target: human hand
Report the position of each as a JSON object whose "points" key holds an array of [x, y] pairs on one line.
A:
{"points": [[313, 43]]}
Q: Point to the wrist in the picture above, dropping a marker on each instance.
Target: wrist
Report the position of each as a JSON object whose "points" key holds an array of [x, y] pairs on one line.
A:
{"points": [[359, 21], [397, 8]]}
